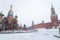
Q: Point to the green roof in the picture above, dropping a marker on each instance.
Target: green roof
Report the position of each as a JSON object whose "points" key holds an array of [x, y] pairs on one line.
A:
{"points": [[1, 14]]}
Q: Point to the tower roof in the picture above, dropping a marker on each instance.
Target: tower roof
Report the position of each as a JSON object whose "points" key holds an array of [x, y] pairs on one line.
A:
{"points": [[32, 23], [53, 11], [10, 9], [16, 16], [10, 13], [52, 7]]}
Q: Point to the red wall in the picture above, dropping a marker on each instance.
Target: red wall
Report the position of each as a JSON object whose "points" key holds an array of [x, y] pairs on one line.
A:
{"points": [[42, 25], [59, 22]]}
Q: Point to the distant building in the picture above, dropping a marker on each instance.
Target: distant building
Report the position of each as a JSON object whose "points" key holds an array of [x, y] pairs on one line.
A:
{"points": [[54, 21], [8, 23], [11, 23]]}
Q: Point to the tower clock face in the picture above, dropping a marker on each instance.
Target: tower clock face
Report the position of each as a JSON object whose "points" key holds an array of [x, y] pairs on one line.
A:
{"points": [[54, 23], [53, 18]]}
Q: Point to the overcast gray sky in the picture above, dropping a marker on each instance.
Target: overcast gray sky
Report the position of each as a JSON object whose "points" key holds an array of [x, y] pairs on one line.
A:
{"points": [[31, 10]]}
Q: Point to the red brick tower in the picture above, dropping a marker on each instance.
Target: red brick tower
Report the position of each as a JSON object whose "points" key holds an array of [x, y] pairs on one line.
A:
{"points": [[54, 18]]}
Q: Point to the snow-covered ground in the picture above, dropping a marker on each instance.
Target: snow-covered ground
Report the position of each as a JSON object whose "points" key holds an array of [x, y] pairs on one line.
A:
{"points": [[41, 34]]}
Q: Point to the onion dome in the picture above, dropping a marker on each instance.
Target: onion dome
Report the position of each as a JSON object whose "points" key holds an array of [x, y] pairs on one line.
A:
{"points": [[16, 16], [10, 13]]}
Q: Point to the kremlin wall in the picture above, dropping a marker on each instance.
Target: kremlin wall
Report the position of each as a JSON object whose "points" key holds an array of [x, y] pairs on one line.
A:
{"points": [[54, 21], [11, 23]]}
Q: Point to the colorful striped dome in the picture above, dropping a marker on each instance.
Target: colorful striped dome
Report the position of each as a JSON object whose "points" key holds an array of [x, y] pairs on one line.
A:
{"points": [[10, 13]]}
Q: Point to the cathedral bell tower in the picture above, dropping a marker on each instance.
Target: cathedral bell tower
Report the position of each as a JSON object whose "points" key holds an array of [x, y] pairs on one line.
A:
{"points": [[10, 13], [54, 18]]}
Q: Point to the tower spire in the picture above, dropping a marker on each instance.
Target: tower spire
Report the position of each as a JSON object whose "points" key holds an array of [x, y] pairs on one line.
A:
{"points": [[32, 23], [52, 10], [10, 13], [11, 8], [54, 18]]}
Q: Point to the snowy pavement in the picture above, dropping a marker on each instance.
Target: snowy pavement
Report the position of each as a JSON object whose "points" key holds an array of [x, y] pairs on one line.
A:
{"points": [[41, 34]]}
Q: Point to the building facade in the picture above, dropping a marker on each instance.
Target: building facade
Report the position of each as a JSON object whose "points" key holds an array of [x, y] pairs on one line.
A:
{"points": [[9, 22], [54, 21]]}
